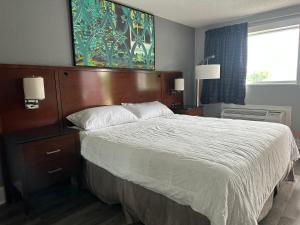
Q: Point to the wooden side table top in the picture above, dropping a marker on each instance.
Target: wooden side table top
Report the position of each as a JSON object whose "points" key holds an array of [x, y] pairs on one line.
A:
{"points": [[189, 110]]}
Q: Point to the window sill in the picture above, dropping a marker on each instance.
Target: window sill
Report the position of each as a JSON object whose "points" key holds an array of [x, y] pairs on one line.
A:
{"points": [[275, 84]]}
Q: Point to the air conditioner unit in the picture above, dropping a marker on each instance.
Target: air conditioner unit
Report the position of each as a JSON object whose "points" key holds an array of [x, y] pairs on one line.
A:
{"points": [[254, 114]]}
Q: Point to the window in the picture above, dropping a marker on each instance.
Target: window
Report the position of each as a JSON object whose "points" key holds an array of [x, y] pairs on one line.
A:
{"points": [[273, 55]]}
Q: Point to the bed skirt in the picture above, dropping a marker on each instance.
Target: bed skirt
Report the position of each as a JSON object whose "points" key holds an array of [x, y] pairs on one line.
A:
{"points": [[142, 205]]}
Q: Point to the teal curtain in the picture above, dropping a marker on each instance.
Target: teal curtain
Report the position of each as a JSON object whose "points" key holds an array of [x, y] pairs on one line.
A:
{"points": [[229, 45]]}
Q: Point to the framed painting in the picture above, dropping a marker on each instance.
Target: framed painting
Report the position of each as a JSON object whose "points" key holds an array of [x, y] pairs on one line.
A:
{"points": [[110, 35]]}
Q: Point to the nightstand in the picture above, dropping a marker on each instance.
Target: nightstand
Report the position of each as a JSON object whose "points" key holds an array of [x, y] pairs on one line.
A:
{"points": [[39, 158], [188, 110]]}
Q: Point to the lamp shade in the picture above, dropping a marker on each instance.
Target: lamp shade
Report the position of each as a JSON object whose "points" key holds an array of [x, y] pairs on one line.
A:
{"points": [[34, 88], [179, 84], [211, 71]]}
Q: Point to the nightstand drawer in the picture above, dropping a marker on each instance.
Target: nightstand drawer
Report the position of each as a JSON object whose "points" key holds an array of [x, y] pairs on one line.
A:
{"points": [[68, 162], [39, 158], [49, 161], [44, 175], [53, 149]]}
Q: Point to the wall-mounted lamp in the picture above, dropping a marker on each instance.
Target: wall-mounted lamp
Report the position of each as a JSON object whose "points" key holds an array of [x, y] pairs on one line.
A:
{"points": [[178, 88], [33, 91], [179, 84]]}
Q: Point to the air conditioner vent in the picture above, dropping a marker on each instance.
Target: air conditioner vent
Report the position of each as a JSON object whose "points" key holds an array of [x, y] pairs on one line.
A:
{"points": [[244, 118], [249, 112], [254, 114]]}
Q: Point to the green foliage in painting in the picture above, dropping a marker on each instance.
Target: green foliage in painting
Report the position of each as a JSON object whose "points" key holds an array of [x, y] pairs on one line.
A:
{"points": [[107, 34]]}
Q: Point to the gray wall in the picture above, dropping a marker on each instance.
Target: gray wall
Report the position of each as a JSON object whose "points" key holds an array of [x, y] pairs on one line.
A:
{"points": [[35, 32], [38, 32], [280, 94], [175, 51]]}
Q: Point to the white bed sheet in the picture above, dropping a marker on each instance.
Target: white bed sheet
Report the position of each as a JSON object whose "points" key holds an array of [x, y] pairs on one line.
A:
{"points": [[224, 169]]}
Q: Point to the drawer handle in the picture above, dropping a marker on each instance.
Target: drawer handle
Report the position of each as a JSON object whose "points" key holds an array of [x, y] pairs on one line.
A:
{"points": [[55, 171], [53, 152]]}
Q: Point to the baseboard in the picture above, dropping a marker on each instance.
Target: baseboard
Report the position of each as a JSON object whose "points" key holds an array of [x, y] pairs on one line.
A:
{"points": [[2, 196]]}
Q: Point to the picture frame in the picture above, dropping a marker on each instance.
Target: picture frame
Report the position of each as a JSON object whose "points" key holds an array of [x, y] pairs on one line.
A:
{"points": [[107, 34]]}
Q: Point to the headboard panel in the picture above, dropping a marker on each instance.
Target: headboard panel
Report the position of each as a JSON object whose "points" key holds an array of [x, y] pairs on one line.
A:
{"points": [[70, 89], [80, 89], [13, 115]]}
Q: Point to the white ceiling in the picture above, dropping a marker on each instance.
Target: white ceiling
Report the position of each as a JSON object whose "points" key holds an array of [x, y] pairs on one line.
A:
{"points": [[197, 13]]}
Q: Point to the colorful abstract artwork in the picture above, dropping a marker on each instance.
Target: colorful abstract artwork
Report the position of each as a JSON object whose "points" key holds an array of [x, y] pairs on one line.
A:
{"points": [[107, 34]]}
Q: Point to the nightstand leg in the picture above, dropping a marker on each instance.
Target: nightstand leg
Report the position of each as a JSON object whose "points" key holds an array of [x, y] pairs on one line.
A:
{"points": [[77, 181]]}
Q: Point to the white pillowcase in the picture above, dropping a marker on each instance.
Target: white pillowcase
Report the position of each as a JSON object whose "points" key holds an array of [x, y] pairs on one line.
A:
{"points": [[148, 109], [101, 117]]}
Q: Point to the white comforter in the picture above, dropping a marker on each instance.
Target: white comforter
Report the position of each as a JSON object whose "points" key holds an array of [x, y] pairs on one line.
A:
{"points": [[223, 169]]}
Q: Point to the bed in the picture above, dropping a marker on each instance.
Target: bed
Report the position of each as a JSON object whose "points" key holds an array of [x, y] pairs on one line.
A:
{"points": [[180, 169]]}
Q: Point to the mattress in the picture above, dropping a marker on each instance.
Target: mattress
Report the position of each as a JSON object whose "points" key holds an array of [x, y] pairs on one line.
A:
{"points": [[223, 169]]}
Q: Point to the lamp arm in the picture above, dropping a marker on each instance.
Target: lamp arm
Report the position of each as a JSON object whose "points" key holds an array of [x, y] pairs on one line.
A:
{"points": [[207, 59]]}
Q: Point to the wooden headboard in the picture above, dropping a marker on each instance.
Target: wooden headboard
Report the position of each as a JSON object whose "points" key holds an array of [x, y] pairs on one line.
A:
{"points": [[69, 89], [13, 115], [81, 89]]}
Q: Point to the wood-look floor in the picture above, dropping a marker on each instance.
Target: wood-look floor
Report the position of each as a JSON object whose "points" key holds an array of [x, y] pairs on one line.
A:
{"points": [[69, 206], [286, 206]]}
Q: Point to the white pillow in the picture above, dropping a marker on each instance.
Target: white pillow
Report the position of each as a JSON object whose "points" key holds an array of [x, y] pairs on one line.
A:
{"points": [[148, 109], [101, 117]]}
